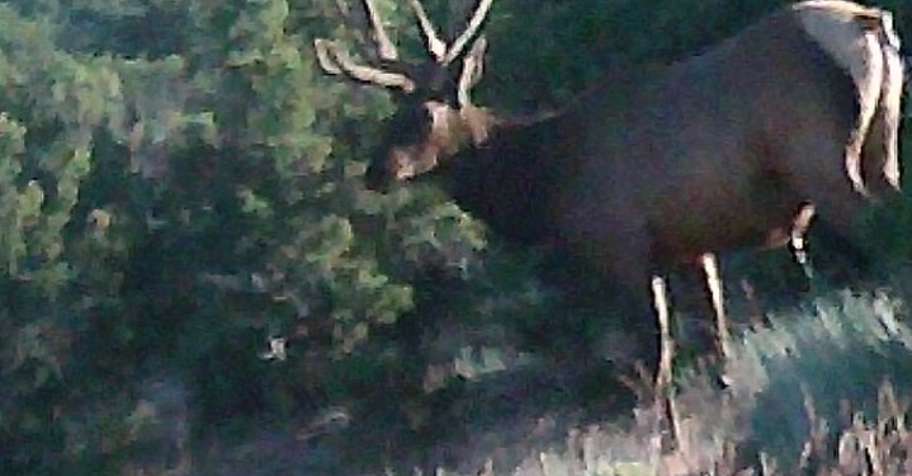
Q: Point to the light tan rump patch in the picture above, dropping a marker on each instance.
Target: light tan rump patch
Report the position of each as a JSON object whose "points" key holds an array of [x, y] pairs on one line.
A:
{"points": [[850, 34]]}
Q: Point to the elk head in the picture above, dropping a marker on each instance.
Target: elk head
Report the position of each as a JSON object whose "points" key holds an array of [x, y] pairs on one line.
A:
{"points": [[436, 117]]}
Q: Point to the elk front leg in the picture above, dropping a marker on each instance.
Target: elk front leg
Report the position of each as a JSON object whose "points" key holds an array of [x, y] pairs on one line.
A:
{"points": [[710, 265], [798, 239]]}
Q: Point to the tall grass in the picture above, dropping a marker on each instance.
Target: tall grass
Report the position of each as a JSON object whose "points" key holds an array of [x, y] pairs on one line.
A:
{"points": [[815, 392]]}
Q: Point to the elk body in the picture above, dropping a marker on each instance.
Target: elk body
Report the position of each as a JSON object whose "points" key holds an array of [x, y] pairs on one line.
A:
{"points": [[656, 168]]}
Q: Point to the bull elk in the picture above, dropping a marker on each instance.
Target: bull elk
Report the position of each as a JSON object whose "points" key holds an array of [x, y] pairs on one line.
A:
{"points": [[662, 167]]}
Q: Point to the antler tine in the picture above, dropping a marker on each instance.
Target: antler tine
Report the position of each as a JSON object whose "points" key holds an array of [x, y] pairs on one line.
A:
{"points": [[343, 7], [435, 45], [335, 61], [481, 12], [472, 69], [358, 24], [322, 48], [385, 48]]}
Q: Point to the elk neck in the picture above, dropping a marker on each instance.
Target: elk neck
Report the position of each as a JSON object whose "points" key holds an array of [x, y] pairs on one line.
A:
{"points": [[508, 173]]}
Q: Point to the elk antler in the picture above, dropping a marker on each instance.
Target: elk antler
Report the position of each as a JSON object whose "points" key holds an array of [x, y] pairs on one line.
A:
{"points": [[337, 62], [385, 48], [472, 69], [435, 45], [438, 49], [481, 12]]}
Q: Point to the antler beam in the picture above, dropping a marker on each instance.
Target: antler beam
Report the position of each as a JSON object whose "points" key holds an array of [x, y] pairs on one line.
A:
{"points": [[385, 48], [472, 69], [481, 12], [435, 45], [335, 61]]}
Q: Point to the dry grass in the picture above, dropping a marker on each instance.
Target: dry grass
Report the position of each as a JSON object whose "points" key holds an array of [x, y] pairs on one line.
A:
{"points": [[828, 375], [818, 391]]}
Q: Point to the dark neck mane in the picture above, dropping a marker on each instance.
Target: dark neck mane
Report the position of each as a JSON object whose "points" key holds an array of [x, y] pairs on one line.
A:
{"points": [[509, 180]]}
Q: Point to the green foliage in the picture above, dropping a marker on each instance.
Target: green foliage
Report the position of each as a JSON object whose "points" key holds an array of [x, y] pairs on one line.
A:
{"points": [[174, 196]]}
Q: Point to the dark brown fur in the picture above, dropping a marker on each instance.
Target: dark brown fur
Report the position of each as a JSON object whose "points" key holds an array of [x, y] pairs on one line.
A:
{"points": [[652, 169]]}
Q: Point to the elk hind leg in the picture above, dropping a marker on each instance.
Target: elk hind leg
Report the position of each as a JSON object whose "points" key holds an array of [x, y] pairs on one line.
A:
{"points": [[664, 400]]}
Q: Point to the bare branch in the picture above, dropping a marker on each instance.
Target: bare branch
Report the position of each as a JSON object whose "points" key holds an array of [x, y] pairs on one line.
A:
{"points": [[335, 61], [385, 48], [435, 45], [472, 68], [484, 6]]}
